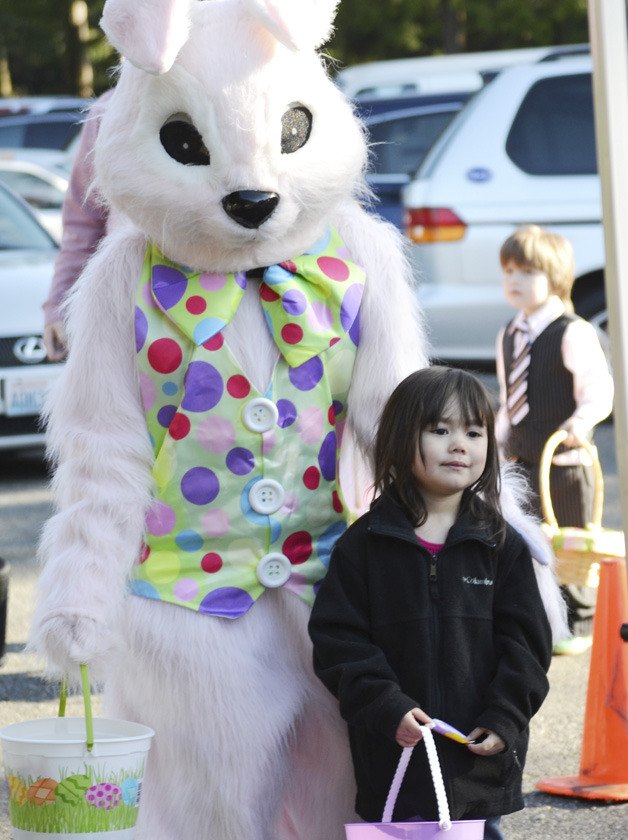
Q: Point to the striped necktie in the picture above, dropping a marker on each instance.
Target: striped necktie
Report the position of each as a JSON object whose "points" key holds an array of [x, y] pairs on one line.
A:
{"points": [[517, 402]]}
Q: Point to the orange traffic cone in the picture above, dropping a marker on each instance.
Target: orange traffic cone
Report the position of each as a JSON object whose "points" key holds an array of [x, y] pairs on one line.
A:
{"points": [[604, 758]]}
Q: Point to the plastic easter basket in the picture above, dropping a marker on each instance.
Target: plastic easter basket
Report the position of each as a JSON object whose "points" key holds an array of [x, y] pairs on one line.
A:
{"points": [[76, 778], [578, 550], [444, 828]]}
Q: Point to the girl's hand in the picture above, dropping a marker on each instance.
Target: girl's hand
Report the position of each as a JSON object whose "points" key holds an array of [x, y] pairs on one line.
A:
{"points": [[490, 743], [408, 733]]}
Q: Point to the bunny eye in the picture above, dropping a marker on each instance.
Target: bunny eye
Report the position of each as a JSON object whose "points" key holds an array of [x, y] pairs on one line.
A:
{"points": [[296, 125], [183, 142]]}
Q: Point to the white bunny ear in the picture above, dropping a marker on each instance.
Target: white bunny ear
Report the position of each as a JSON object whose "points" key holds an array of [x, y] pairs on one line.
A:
{"points": [[149, 33], [299, 24]]}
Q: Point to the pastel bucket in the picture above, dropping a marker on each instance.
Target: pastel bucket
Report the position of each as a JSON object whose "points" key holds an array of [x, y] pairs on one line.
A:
{"points": [[78, 778], [467, 830], [445, 828]]}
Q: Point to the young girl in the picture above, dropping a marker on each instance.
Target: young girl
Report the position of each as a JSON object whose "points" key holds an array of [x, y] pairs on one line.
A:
{"points": [[431, 609]]}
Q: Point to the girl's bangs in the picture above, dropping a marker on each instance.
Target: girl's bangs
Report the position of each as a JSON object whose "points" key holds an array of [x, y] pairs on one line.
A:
{"points": [[470, 397]]}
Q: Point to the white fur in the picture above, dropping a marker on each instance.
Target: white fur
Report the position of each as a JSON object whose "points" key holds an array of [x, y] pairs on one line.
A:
{"points": [[248, 745]]}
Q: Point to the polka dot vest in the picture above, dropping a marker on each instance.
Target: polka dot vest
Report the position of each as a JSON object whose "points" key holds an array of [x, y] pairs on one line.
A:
{"points": [[246, 489]]}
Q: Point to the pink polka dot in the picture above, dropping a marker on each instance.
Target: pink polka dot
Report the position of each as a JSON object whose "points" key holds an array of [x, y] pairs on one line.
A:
{"points": [[311, 478], [238, 386], [165, 355], [269, 439], [160, 519], [310, 425], [290, 503], [185, 589], [319, 316], [144, 553], [291, 333], [216, 434], [336, 502], [196, 305], [215, 523], [148, 391], [214, 343], [211, 563], [334, 268], [179, 427], [212, 282], [298, 547], [290, 266], [331, 415]]}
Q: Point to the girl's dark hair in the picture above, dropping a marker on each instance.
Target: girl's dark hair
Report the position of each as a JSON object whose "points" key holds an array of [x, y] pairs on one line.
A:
{"points": [[419, 402]]}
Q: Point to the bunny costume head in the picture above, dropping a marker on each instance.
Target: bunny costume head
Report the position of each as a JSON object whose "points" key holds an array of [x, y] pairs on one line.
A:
{"points": [[235, 145]]}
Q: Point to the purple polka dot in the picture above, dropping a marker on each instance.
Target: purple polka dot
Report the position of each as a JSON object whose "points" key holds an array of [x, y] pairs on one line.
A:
{"points": [[240, 461], [350, 306], [327, 457], [338, 407], [294, 302], [228, 602], [308, 375], [240, 278], [200, 486], [354, 332], [287, 413], [169, 285], [141, 329], [165, 415], [203, 387]]}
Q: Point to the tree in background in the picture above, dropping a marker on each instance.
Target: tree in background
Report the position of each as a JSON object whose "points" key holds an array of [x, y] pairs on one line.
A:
{"points": [[56, 46], [368, 31]]}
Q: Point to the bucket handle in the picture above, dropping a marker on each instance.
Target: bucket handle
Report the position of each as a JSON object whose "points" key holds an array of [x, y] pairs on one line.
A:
{"points": [[444, 819], [550, 447], [87, 702]]}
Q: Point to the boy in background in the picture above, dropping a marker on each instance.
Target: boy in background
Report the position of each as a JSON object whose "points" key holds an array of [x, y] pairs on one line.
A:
{"points": [[552, 375]]}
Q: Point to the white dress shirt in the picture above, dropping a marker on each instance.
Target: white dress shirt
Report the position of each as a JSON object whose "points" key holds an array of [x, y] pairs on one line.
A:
{"points": [[582, 355]]}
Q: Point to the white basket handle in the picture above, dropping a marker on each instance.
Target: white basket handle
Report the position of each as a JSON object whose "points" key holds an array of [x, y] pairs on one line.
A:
{"points": [[444, 820]]}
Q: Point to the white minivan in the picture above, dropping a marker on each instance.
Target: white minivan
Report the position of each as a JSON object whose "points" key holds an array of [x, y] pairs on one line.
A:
{"points": [[433, 74], [521, 152]]}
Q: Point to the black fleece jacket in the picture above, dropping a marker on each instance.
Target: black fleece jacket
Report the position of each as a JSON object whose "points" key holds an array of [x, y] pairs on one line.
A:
{"points": [[463, 635]]}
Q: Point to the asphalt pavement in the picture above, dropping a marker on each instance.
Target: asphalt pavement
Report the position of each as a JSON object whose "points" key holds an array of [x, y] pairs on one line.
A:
{"points": [[556, 732]]}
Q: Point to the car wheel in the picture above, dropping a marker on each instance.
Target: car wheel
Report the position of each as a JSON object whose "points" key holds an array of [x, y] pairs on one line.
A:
{"points": [[593, 307]]}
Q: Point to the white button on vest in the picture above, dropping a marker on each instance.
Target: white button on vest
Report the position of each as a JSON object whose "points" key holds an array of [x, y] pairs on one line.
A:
{"points": [[273, 570], [260, 415], [266, 496]]}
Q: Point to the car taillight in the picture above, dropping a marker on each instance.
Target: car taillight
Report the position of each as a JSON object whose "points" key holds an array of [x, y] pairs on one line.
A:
{"points": [[433, 224]]}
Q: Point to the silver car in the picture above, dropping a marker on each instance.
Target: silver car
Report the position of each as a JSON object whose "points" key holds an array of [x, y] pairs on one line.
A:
{"points": [[27, 254]]}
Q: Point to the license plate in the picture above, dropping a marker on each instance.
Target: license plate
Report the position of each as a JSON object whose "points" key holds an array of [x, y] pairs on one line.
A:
{"points": [[24, 396]]}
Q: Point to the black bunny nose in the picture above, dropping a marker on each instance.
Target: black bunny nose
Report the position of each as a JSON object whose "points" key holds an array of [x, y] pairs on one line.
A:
{"points": [[250, 208]]}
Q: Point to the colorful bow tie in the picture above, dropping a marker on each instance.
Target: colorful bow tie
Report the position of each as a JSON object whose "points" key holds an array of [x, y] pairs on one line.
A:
{"points": [[309, 302]]}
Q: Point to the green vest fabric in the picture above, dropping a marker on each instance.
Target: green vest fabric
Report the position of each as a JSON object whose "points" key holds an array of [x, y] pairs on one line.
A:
{"points": [[246, 484]]}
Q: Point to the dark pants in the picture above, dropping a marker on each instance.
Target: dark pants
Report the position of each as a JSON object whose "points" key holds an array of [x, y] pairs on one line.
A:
{"points": [[492, 830], [571, 489]]}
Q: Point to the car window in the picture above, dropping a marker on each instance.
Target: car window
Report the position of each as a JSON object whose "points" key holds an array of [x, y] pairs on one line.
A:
{"points": [[400, 144], [553, 131], [17, 227], [38, 135], [38, 192]]}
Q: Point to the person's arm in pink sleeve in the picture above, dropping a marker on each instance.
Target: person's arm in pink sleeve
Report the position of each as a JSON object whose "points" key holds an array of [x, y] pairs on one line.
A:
{"points": [[84, 225]]}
